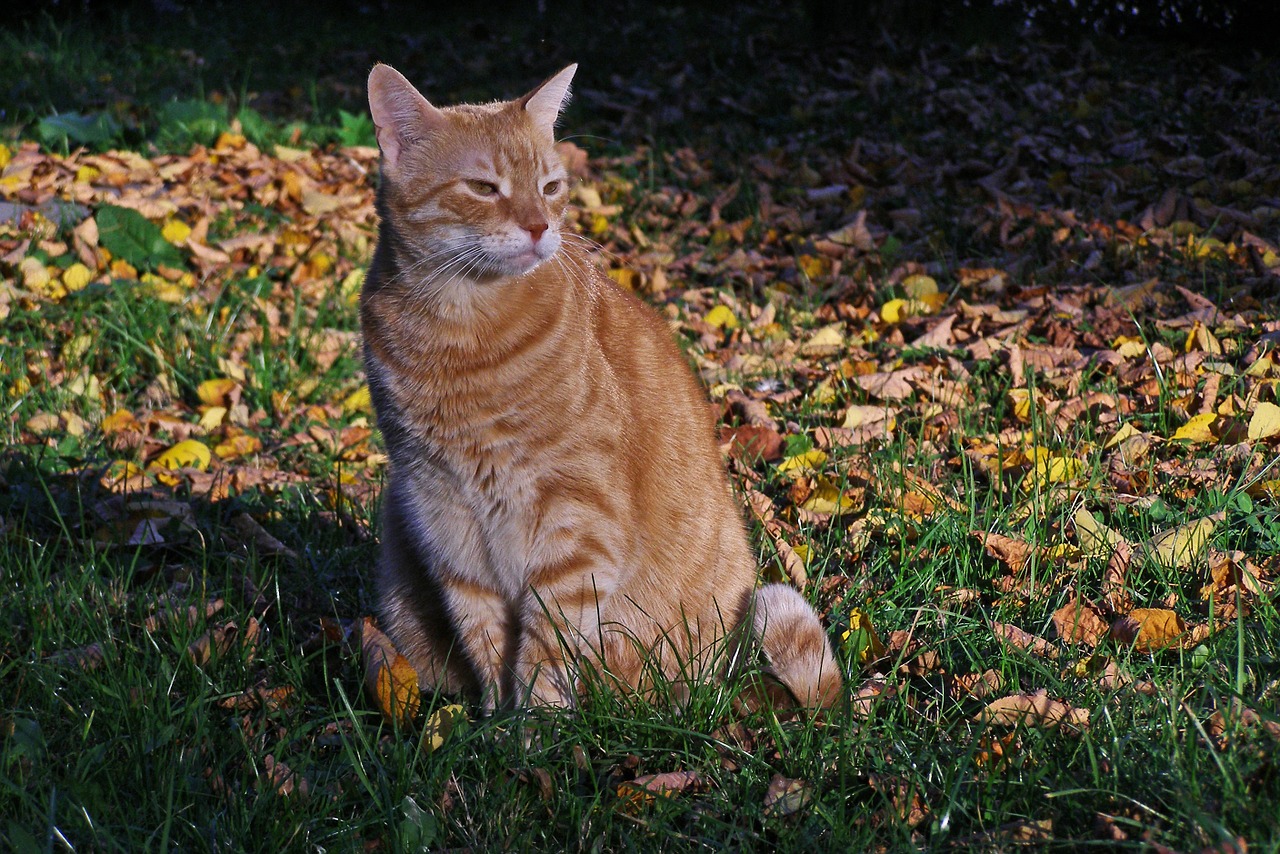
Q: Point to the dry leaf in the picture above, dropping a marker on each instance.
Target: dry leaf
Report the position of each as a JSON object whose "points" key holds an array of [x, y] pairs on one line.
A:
{"points": [[1080, 622], [1149, 629], [1035, 709], [786, 796], [388, 676]]}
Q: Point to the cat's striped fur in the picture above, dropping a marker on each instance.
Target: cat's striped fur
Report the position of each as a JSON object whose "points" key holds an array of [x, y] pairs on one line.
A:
{"points": [[555, 496]]}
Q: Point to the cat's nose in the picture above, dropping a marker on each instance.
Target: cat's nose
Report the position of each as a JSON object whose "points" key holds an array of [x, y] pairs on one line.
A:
{"points": [[536, 230]]}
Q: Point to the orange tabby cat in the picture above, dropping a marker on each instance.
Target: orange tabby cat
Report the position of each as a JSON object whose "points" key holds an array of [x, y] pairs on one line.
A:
{"points": [[556, 503]]}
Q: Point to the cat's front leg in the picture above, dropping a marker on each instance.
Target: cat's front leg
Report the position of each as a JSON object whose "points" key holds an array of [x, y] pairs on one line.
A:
{"points": [[561, 628], [483, 622]]}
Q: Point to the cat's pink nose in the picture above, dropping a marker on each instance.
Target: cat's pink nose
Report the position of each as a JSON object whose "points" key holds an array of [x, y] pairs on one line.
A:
{"points": [[536, 230]]}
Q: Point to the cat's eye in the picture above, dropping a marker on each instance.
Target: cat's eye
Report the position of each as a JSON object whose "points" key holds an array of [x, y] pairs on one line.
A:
{"points": [[551, 188], [482, 188]]}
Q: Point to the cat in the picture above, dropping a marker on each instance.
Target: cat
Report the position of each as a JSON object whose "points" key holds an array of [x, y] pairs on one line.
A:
{"points": [[556, 504]]}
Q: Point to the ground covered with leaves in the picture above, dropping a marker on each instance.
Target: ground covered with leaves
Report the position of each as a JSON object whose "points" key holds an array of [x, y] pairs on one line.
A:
{"points": [[993, 335]]}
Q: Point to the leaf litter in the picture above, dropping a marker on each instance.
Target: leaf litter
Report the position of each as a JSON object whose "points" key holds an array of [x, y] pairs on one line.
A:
{"points": [[825, 330]]}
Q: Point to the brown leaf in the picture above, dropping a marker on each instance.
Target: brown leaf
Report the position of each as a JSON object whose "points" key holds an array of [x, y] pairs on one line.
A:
{"points": [[388, 676], [1114, 592], [252, 536], [1011, 552], [1024, 640], [1035, 709], [1080, 622], [752, 442]]}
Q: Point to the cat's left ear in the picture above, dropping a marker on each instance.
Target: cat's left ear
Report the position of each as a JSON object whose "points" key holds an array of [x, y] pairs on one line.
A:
{"points": [[546, 101]]}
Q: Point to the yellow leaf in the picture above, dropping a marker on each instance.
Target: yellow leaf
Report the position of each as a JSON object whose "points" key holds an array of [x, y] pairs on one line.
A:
{"points": [[721, 317], [1177, 547], [440, 724], [214, 392], [625, 277], [1199, 430], [898, 310], [358, 401], [351, 285], [808, 461], [1130, 347], [813, 266], [189, 454], [121, 419], [862, 637], [825, 342], [76, 277], [1056, 469], [824, 393], [1020, 400], [212, 418], [34, 274], [120, 475], [1094, 537], [73, 352], [5, 155], [827, 498], [389, 676], [1265, 422], [176, 231], [1126, 431], [1260, 368], [919, 286], [87, 173], [891, 312], [241, 445]]}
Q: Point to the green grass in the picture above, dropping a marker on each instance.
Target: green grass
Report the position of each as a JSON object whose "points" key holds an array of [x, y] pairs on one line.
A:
{"points": [[143, 748]]}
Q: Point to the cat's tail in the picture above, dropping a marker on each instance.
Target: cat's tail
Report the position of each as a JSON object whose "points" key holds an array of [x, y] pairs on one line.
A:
{"points": [[796, 647]]}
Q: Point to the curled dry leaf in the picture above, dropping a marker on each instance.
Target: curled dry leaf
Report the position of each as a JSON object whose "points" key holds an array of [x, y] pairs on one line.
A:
{"points": [[1024, 640], [388, 676], [636, 794], [979, 686], [1115, 595], [1035, 709], [190, 616], [1011, 552]]}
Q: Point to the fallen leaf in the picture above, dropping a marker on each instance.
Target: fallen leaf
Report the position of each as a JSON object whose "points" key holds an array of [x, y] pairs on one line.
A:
{"points": [[1035, 709], [1149, 629], [389, 677], [1094, 537], [440, 724], [1080, 622], [1265, 422], [1178, 547], [786, 796], [191, 453]]}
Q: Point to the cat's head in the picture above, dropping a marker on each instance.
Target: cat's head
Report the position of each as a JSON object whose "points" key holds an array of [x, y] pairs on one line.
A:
{"points": [[476, 192]]}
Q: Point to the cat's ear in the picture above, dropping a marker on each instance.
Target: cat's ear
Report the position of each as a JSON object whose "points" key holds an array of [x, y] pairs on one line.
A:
{"points": [[401, 115], [546, 101]]}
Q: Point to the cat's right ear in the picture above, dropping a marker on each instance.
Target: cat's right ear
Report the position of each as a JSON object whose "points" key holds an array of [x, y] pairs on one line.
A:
{"points": [[401, 116]]}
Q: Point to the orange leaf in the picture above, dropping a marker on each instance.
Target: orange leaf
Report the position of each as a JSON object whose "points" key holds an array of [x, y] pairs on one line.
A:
{"points": [[388, 675], [1149, 629]]}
